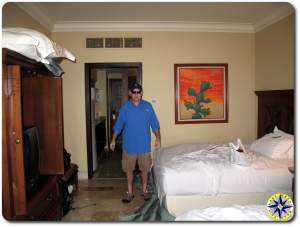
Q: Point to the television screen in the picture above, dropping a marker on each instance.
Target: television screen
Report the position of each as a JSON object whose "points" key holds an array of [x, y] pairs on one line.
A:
{"points": [[31, 158]]}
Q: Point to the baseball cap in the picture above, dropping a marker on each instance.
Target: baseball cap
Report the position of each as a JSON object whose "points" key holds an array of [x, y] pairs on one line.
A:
{"points": [[136, 86]]}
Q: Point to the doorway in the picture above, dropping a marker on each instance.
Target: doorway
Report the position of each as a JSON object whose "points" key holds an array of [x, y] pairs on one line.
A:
{"points": [[106, 89]]}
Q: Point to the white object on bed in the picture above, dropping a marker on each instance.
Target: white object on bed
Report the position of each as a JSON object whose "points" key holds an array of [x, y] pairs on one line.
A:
{"points": [[33, 45], [205, 169], [232, 213], [239, 155], [276, 145]]}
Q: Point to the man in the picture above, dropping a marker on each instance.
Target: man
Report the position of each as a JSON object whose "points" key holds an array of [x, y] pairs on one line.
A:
{"points": [[136, 117]]}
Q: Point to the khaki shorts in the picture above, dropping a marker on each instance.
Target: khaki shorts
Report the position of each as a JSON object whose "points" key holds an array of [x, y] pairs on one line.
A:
{"points": [[129, 160]]}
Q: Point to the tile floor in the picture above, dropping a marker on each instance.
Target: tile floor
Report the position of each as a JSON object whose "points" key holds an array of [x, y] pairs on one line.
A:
{"points": [[100, 200], [110, 165]]}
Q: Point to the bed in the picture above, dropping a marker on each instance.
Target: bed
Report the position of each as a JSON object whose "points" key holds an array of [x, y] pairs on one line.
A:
{"points": [[232, 213], [207, 176]]}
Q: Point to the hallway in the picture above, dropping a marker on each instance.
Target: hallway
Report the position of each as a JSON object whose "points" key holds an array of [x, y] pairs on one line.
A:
{"points": [[100, 200], [110, 165]]}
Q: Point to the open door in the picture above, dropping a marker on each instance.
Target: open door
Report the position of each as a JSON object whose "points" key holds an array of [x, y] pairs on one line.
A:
{"points": [[116, 95], [14, 198], [115, 100]]}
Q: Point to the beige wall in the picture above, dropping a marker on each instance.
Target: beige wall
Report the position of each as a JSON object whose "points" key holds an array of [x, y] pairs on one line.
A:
{"points": [[274, 56], [161, 50], [13, 16], [256, 62]]}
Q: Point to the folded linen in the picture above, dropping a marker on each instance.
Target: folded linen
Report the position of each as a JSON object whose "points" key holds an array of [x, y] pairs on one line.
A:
{"points": [[239, 155]]}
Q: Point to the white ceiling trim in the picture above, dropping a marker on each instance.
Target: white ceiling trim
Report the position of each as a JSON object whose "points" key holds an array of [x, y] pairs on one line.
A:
{"points": [[275, 17], [77, 26], [180, 26]]}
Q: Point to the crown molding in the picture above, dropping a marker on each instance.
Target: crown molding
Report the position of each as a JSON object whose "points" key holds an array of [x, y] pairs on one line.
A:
{"points": [[151, 26], [275, 17], [36, 14], [168, 26]]}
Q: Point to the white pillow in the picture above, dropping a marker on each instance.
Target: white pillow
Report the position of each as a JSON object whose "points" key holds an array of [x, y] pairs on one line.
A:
{"points": [[290, 153], [33, 44], [276, 145], [21, 43], [278, 132]]}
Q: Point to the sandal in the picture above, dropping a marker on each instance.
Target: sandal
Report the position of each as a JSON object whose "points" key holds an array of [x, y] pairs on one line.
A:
{"points": [[127, 198], [146, 195]]}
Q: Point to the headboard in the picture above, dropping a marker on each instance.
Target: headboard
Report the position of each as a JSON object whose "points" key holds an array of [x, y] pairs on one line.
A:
{"points": [[275, 108]]}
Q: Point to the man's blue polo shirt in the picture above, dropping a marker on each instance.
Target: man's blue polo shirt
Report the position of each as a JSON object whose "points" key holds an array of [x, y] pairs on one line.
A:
{"points": [[136, 122]]}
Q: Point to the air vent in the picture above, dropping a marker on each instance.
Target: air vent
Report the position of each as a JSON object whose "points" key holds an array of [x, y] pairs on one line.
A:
{"points": [[94, 43], [113, 42], [133, 42]]}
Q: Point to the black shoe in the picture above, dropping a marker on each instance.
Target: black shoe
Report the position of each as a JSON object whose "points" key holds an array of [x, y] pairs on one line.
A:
{"points": [[147, 196], [127, 198]]}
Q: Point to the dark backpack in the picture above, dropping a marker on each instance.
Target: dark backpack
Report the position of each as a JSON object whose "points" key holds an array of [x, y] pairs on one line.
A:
{"points": [[66, 198], [67, 160]]}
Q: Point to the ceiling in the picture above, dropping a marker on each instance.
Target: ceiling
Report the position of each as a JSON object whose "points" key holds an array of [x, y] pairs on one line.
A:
{"points": [[158, 16]]}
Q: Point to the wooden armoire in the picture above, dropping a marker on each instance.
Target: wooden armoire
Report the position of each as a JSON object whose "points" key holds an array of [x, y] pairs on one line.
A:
{"points": [[31, 96]]}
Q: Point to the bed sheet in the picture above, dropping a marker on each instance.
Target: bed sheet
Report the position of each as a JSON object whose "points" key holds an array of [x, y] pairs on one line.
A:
{"points": [[231, 213], [205, 169]]}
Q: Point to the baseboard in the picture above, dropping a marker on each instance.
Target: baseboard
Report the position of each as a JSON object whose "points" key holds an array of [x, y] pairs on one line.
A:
{"points": [[82, 175]]}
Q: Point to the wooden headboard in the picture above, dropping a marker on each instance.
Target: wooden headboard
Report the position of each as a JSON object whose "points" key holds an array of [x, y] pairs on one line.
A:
{"points": [[275, 108]]}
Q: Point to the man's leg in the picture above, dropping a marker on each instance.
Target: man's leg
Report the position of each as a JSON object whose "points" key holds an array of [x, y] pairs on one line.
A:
{"points": [[129, 175], [145, 162], [128, 163], [144, 180]]}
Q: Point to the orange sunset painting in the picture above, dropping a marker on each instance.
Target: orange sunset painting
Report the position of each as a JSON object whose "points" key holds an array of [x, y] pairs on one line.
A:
{"points": [[201, 92]]}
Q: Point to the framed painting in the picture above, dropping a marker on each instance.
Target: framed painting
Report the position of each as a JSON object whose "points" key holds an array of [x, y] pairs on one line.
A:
{"points": [[201, 94]]}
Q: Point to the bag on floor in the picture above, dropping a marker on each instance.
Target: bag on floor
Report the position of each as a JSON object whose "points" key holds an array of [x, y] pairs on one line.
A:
{"points": [[66, 198]]}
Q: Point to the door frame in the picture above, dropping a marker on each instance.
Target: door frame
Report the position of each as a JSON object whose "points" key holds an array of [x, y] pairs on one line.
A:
{"points": [[88, 69]]}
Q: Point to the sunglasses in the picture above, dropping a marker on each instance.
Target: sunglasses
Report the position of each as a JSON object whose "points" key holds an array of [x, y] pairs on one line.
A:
{"points": [[136, 92]]}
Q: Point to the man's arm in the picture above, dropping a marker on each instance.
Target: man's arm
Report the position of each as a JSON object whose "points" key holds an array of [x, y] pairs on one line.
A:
{"points": [[113, 141], [158, 138], [117, 128]]}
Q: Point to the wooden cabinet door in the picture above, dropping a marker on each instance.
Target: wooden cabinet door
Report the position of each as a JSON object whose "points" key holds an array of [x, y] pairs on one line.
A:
{"points": [[14, 197], [42, 107]]}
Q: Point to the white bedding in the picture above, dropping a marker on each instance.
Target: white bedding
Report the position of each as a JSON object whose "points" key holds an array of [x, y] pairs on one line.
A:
{"points": [[232, 213], [33, 45], [205, 169]]}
